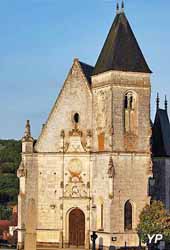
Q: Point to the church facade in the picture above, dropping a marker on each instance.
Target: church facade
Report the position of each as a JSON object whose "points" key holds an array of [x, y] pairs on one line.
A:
{"points": [[89, 169]]}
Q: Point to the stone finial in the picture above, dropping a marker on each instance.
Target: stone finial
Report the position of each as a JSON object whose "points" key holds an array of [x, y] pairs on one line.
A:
{"points": [[157, 101], [27, 140], [111, 170], [122, 6], [27, 133], [166, 104], [117, 8]]}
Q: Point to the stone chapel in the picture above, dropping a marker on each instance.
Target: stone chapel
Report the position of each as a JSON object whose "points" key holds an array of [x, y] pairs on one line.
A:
{"points": [[89, 169]]}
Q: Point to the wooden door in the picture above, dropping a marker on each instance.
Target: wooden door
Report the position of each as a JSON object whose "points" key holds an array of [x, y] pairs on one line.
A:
{"points": [[76, 228]]}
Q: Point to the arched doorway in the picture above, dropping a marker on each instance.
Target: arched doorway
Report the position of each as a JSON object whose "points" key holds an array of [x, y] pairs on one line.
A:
{"points": [[76, 228]]}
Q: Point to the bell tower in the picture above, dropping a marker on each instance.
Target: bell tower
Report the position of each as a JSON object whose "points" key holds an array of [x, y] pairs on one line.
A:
{"points": [[121, 132], [121, 90]]}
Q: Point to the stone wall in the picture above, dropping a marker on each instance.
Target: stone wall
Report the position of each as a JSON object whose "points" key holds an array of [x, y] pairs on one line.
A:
{"points": [[75, 97], [110, 88], [70, 171]]}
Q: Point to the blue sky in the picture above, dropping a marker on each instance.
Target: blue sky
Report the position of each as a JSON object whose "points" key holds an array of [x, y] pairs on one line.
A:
{"points": [[40, 38]]}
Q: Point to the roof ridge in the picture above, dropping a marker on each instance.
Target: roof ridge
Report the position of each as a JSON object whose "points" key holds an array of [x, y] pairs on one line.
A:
{"points": [[86, 64], [87, 70]]}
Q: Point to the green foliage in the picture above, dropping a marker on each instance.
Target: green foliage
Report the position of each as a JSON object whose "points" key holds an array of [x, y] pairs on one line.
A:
{"points": [[154, 219], [10, 158], [5, 213]]}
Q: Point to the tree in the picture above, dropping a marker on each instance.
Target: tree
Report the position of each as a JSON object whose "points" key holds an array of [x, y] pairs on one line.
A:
{"points": [[10, 157], [5, 213], [154, 219]]}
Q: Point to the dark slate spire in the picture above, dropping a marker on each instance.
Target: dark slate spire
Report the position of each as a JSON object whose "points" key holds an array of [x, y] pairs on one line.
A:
{"points": [[161, 134], [121, 51]]}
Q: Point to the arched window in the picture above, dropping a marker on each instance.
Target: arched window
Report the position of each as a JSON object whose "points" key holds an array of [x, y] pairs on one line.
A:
{"points": [[128, 216], [130, 113]]}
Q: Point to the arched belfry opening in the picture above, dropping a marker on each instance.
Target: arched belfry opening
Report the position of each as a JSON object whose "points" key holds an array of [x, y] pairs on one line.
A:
{"points": [[130, 113], [76, 228]]}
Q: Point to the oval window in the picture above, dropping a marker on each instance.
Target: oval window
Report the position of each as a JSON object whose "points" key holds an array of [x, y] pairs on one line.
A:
{"points": [[76, 118]]}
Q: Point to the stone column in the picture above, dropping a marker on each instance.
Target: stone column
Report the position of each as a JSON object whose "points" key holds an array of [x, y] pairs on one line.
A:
{"points": [[30, 236]]}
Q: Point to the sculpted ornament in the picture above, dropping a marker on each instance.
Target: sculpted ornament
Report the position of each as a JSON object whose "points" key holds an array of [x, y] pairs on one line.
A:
{"points": [[111, 170], [77, 190], [75, 167], [88, 140], [21, 172], [75, 144], [75, 187]]}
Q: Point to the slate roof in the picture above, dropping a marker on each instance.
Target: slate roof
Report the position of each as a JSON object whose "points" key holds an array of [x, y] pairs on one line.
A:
{"points": [[88, 70], [161, 134], [121, 50]]}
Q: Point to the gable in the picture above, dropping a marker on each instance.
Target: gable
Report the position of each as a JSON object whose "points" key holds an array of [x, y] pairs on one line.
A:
{"points": [[75, 97]]}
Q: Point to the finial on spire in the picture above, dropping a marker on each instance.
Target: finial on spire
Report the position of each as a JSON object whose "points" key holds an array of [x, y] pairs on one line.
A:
{"points": [[166, 104], [157, 101], [27, 129], [117, 8], [122, 6]]}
